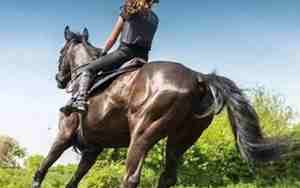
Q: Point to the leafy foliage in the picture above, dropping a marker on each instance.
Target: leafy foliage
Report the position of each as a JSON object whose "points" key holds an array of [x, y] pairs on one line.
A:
{"points": [[10, 152]]}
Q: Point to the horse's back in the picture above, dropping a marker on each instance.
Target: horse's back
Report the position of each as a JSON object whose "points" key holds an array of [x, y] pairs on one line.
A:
{"points": [[169, 76]]}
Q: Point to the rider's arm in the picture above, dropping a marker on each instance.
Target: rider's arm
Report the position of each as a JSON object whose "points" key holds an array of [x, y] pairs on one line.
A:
{"points": [[114, 35]]}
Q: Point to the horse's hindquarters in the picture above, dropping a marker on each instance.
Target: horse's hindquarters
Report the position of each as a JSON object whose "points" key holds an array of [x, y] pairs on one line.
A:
{"points": [[163, 91]]}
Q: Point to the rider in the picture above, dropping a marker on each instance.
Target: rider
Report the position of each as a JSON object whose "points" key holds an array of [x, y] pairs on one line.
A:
{"points": [[137, 24]]}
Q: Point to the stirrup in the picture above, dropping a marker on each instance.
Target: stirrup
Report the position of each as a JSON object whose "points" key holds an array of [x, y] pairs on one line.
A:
{"points": [[67, 108], [79, 106]]}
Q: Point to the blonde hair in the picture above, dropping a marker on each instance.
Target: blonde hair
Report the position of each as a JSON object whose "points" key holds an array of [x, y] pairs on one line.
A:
{"points": [[137, 6]]}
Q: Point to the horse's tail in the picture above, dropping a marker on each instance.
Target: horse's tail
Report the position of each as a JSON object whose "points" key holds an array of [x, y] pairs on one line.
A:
{"points": [[244, 121]]}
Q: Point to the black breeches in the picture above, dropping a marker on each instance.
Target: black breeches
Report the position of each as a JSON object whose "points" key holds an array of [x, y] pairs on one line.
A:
{"points": [[114, 60]]}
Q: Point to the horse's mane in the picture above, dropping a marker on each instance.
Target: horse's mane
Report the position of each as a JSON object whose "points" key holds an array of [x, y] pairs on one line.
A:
{"points": [[93, 51]]}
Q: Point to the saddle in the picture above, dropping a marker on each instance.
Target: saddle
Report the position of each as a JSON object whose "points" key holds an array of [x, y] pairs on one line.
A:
{"points": [[104, 79]]}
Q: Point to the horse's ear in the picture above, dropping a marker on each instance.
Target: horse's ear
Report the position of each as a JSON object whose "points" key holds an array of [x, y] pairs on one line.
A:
{"points": [[85, 34], [68, 33]]}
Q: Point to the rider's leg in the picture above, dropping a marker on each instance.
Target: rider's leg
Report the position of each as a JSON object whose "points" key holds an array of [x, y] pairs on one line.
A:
{"points": [[110, 61], [105, 63], [79, 104]]}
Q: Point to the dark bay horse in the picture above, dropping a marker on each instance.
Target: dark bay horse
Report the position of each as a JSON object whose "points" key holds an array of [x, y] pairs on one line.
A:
{"points": [[161, 99]]}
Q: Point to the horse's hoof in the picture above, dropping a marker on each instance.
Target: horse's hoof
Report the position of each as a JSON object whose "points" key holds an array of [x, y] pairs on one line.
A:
{"points": [[36, 184]]}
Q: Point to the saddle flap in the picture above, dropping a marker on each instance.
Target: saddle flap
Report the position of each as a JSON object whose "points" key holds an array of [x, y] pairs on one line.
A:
{"points": [[105, 78]]}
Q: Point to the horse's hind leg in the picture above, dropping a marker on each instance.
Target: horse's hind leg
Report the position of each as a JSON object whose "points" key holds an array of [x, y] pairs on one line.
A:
{"points": [[177, 144], [140, 144], [148, 126], [87, 160], [67, 131]]}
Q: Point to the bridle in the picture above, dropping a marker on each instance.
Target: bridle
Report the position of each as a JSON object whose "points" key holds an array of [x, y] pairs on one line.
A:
{"points": [[62, 77]]}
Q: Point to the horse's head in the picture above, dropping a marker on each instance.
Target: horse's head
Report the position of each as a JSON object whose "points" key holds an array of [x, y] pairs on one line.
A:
{"points": [[76, 52]]}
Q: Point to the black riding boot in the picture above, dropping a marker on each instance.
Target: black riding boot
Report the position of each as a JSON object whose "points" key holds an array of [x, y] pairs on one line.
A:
{"points": [[79, 103]]}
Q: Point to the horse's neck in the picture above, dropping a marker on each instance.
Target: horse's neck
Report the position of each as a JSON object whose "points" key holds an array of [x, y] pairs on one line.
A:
{"points": [[81, 59]]}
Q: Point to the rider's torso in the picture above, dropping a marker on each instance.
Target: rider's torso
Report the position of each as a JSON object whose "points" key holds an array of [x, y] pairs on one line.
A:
{"points": [[139, 30]]}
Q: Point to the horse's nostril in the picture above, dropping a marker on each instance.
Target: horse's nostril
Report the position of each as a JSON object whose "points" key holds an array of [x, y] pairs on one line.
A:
{"points": [[60, 86]]}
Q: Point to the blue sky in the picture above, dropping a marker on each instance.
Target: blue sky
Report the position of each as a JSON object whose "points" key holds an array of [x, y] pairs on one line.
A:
{"points": [[252, 42]]}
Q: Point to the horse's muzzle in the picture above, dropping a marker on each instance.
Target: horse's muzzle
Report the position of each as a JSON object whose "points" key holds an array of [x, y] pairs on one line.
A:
{"points": [[61, 81]]}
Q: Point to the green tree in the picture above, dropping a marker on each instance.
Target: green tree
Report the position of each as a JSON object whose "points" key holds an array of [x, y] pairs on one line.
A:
{"points": [[10, 152]]}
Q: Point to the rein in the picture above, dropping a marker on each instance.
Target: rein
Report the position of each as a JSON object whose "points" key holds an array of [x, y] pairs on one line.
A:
{"points": [[93, 55], [76, 69]]}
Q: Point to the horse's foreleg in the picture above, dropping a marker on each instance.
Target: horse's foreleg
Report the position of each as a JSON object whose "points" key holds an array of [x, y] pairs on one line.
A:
{"points": [[177, 144], [87, 160], [56, 150], [68, 127]]}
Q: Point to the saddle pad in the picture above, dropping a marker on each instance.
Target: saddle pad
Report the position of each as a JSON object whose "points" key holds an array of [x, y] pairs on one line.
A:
{"points": [[105, 78]]}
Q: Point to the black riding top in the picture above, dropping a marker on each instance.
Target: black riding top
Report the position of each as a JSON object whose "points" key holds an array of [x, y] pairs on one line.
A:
{"points": [[139, 29]]}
